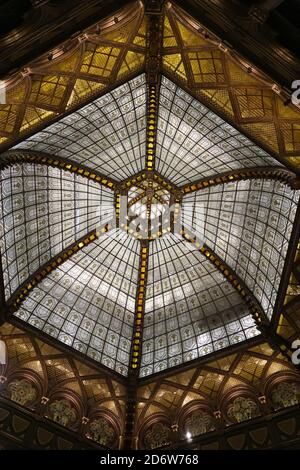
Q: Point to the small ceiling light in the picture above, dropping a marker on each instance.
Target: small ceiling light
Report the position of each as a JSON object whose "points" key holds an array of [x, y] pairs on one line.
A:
{"points": [[188, 435]]}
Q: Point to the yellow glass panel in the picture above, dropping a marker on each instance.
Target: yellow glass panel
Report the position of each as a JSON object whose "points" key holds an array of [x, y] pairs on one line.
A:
{"points": [[184, 378], [35, 366], [140, 38], [291, 136], [263, 348], [289, 111], [284, 328], [48, 90], [223, 363], [133, 61], [168, 396], [190, 397], [66, 63], [189, 37], [99, 60], [169, 39], [207, 66], [250, 368], [8, 115], [83, 89], [254, 103], [264, 132], [220, 98], [174, 63], [295, 161], [34, 116], [109, 405], [16, 94], [209, 383], [232, 382], [144, 392], [277, 367], [238, 74]]}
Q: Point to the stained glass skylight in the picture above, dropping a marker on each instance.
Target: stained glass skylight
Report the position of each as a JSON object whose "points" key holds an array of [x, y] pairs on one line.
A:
{"points": [[193, 142], [44, 210], [90, 300], [191, 310], [107, 135], [248, 224], [88, 303]]}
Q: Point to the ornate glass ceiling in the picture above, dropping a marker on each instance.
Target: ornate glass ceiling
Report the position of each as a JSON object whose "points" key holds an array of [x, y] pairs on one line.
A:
{"points": [[149, 218], [43, 211], [193, 142], [88, 303], [90, 298], [190, 310], [107, 135], [248, 224]]}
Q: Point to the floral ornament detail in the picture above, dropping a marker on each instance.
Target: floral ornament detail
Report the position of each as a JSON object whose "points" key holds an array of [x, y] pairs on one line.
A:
{"points": [[22, 391], [101, 431], [157, 436], [242, 409], [62, 412], [198, 423], [286, 394]]}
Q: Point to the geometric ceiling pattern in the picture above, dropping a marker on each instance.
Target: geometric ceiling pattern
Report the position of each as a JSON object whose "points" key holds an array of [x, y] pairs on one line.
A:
{"points": [[88, 303], [190, 309], [96, 394], [194, 143], [179, 118], [108, 135], [193, 312], [97, 92], [230, 85], [112, 51], [78, 70], [43, 211], [249, 225]]}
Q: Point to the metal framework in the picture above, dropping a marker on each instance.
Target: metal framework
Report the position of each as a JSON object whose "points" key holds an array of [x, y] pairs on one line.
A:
{"points": [[30, 156]]}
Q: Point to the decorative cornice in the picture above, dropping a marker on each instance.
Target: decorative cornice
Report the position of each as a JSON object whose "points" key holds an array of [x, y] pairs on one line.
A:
{"points": [[276, 173], [29, 156]]}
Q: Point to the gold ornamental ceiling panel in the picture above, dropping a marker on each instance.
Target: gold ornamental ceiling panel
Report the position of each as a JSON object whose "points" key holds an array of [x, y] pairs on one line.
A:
{"points": [[227, 83], [73, 73]]}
